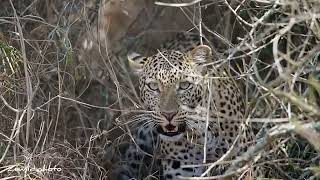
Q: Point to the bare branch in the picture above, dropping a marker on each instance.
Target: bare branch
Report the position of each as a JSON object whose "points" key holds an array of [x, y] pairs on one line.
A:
{"points": [[177, 4]]}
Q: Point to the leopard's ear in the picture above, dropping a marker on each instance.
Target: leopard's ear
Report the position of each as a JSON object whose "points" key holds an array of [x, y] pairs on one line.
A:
{"points": [[201, 53], [136, 62]]}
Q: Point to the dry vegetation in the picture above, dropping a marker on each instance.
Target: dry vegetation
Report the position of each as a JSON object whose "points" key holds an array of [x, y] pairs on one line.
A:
{"points": [[64, 81]]}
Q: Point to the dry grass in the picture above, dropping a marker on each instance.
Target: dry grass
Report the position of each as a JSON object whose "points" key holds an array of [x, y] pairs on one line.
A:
{"points": [[62, 92]]}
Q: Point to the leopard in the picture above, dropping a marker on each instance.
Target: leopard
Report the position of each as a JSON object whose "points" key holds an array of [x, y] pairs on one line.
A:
{"points": [[194, 113]]}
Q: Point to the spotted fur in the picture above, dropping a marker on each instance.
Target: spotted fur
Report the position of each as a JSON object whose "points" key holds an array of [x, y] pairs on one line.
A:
{"points": [[175, 88]]}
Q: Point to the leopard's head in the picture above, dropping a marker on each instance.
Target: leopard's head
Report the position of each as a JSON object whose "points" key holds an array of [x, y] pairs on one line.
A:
{"points": [[171, 83]]}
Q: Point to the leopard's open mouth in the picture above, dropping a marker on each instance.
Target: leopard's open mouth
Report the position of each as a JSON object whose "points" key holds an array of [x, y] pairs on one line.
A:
{"points": [[171, 130]]}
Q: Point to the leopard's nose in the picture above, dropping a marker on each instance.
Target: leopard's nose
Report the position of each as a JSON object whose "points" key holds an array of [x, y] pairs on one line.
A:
{"points": [[168, 115]]}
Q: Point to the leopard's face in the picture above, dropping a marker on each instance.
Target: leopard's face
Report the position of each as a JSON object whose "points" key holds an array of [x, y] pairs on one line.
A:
{"points": [[171, 85]]}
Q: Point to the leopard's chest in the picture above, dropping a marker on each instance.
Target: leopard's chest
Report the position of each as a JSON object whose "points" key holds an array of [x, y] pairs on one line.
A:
{"points": [[188, 148], [181, 150]]}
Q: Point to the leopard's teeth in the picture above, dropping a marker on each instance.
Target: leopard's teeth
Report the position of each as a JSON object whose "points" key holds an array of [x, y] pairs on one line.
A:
{"points": [[166, 130]]}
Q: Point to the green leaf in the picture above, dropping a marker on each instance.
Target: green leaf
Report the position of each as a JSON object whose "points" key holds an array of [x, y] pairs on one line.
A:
{"points": [[69, 56]]}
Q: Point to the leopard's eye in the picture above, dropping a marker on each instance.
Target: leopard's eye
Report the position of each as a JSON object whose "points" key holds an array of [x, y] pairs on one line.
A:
{"points": [[153, 86], [184, 85]]}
